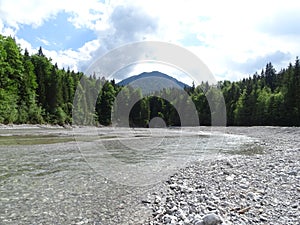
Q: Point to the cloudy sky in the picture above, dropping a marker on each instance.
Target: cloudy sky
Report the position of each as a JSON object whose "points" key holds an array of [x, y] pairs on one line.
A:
{"points": [[233, 38]]}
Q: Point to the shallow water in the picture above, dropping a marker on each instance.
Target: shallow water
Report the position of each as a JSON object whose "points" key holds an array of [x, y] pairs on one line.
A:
{"points": [[97, 176]]}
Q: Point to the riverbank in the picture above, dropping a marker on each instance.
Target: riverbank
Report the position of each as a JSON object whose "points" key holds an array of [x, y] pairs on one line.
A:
{"points": [[253, 189]]}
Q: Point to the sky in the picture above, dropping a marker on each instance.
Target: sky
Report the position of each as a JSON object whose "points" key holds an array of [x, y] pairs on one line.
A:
{"points": [[233, 38]]}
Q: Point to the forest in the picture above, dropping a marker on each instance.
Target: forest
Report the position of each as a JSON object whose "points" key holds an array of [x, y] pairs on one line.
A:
{"points": [[33, 90]]}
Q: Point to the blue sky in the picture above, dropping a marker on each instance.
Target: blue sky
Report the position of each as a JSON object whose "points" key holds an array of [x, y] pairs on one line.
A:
{"points": [[57, 33], [233, 38]]}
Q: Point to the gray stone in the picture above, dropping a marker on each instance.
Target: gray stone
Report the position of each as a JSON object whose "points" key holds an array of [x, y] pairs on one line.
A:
{"points": [[157, 199], [167, 219], [211, 219], [214, 188], [292, 173]]}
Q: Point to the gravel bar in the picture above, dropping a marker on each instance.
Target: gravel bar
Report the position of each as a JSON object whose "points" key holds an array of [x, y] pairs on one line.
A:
{"points": [[244, 189]]}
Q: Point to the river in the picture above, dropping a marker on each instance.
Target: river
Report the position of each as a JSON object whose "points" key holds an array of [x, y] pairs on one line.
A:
{"points": [[52, 175]]}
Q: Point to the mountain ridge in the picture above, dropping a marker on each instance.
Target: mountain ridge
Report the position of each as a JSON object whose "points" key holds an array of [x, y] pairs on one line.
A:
{"points": [[152, 81]]}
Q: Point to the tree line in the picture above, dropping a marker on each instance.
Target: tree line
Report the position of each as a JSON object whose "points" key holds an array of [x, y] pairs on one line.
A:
{"points": [[34, 90], [269, 98]]}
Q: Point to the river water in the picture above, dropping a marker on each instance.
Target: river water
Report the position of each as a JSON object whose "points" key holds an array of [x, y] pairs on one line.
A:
{"points": [[54, 175]]}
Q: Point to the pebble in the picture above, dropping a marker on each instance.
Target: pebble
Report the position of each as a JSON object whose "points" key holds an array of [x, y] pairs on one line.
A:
{"points": [[255, 189], [211, 219], [157, 199]]}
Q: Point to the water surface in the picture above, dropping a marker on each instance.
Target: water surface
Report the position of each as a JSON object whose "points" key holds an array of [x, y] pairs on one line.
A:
{"points": [[97, 175]]}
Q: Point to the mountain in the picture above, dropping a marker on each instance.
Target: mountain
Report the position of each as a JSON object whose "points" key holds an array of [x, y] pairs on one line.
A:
{"points": [[150, 82]]}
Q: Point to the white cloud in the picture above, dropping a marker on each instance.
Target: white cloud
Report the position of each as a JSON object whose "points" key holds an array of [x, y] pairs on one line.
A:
{"points": [[66, 58], [85, 13], [25, 44], [231, 32], [125, 24], [88, 14], [44, 41], [228, 31], [25, 12], [72, 59], [1, 26], [6, 31]]}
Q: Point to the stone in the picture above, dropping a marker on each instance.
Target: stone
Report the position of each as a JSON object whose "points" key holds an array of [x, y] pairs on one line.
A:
{"points": [[292, 173], [211, 219], [157, 199], [246, 192], [171, 210], [167, 219], [230, 177]]}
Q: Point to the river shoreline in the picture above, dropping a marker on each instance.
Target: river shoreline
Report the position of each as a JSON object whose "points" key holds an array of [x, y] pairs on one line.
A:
{"points": [[258, 189]]}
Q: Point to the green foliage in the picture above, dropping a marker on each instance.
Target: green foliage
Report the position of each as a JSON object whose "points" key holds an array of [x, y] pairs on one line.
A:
{"points": [[33, 90], [60, 116], [139, 113], [270, 99], [8, 106], [11, 71], [104, 103]]}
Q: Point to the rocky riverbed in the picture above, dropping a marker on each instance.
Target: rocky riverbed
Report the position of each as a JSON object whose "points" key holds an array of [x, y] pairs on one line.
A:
{"points": [[44, 178], [242, 189]]}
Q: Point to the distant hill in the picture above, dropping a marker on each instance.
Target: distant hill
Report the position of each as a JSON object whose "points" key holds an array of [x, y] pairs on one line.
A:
{"points": [[152, 81]]}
